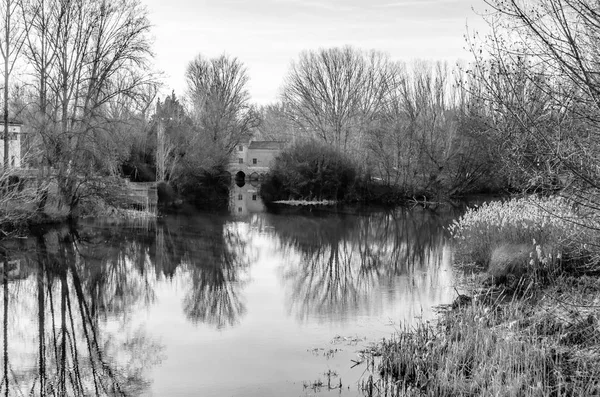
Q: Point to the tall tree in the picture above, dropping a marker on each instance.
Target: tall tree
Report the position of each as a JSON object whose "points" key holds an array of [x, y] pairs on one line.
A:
{"points": [[333, 94], [84, 55], [218, 92], [174, 132]]}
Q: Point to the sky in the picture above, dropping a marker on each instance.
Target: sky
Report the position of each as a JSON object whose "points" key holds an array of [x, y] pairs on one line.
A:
{"points": [[267, 35]]}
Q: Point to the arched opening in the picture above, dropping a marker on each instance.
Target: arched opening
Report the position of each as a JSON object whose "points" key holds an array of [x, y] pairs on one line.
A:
{"points": [[254, 176], [240, 176]]}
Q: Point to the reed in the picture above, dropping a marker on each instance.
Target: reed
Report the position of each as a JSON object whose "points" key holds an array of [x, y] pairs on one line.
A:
{"points": [[519, 347], [558, 233]]}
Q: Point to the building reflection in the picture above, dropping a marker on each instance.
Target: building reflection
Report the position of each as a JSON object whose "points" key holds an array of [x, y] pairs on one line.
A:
{"points": [[245, 199]]}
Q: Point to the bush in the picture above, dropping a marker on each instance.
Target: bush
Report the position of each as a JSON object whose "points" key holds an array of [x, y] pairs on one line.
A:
{"points": [[310, 171], [554, 229], [207, 189]]}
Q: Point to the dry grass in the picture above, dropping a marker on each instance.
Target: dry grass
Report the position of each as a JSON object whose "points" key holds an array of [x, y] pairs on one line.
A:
{"points": [[553, 223], [545, 342]]}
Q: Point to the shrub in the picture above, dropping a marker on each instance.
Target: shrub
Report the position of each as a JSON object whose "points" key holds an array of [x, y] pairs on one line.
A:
{"points": [[205, 188], [310, 170], [550, 225]]}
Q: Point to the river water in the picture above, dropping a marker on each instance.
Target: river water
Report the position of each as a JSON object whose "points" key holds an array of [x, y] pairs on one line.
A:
{"points": [[250, 303]]}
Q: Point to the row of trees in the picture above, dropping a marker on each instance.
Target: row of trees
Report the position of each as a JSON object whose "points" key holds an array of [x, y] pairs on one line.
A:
{"points": [[79, 74], [523, 114], [416, 127]]}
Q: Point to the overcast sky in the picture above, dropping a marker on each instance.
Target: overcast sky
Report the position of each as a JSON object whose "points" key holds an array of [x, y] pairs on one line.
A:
{"points": [[268, 34]]}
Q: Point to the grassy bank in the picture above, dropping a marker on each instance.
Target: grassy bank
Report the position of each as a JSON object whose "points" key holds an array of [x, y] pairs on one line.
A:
{"points": [[533, 332], [545, 342]]}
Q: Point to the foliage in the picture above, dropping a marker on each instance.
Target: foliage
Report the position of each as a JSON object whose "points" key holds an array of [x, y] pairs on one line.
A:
{"points": [[205, 188], [552, 223], [309, 170]]}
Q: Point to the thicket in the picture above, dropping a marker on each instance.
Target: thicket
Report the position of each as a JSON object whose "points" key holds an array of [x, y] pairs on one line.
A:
{"points": [[564, 232], [311, 170]]}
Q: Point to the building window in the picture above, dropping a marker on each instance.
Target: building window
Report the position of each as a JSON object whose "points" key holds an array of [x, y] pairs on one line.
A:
{"points": [[254, 197], [254, 161], [241, 160], [239, 209], [240, 197], [240, 148]]}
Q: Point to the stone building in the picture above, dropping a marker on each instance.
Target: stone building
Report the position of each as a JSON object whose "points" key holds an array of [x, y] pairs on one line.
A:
{"points": [[253, 159]]}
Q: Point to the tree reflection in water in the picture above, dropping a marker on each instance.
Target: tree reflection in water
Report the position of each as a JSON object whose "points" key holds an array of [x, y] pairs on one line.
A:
{"points": [[52, 294], [69, 296], [218, 269], [214, 256], [343, 257]]}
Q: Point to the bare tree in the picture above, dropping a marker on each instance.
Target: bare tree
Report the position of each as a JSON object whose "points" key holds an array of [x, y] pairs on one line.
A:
{"points": [[335, 93], [84, 56], [422, 139], [540, 76], [218, 92], [274, 123]]}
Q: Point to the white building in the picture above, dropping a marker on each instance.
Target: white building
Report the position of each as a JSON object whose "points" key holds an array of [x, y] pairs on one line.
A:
{"points": [[14, 144]]}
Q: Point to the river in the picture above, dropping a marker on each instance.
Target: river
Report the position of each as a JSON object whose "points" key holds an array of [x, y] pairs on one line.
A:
{"points": [[250, 303]]}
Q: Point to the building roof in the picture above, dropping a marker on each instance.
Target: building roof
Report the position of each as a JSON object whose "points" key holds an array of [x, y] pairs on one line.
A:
{"points": [[272, 145]]}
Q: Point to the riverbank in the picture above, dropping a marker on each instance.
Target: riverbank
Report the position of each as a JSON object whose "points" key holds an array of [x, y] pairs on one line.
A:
{"points": [[539, 342], [19, 216], [526, 322]]}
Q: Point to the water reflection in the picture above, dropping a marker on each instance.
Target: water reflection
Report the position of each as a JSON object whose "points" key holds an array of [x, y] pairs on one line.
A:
{"points": [[76, 300], [54, 300], [85, 285], [342, 259], [245, 199], [215, 258]]}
